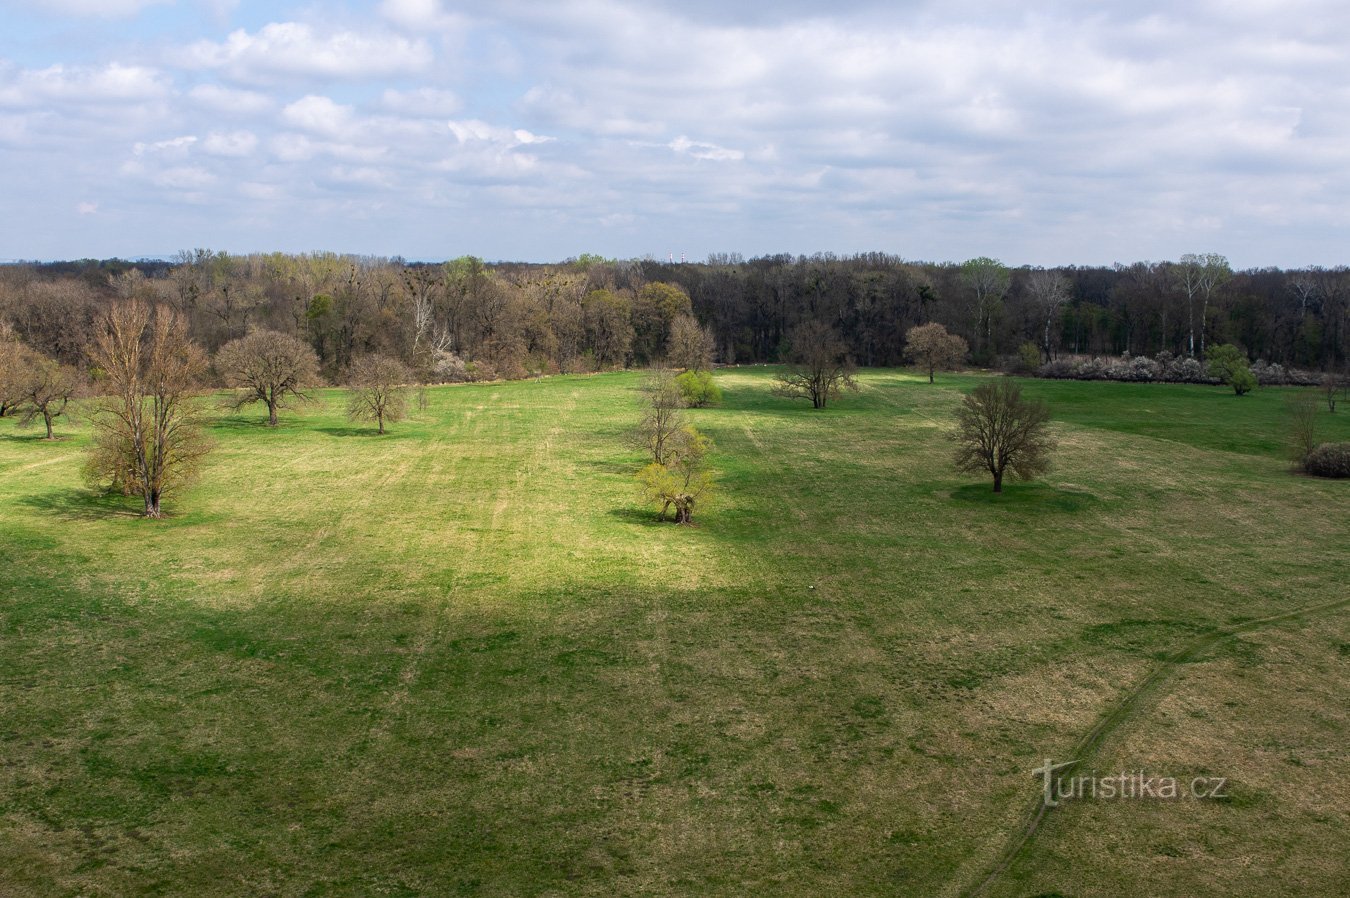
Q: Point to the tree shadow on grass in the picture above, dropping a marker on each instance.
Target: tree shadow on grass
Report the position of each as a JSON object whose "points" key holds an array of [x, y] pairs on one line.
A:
{"points": [[645, 517], [83, 505], [1026, 497], [360, 432]]}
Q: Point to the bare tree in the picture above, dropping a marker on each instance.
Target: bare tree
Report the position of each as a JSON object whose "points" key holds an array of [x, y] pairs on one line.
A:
{"points": [[1332, 385], [998, 430], [147, 434], [662, 414], [690, 346], [270, 368], [819, 368], [1049, 291], [11, 354], [43, 389], [1302, 422], [930, 347], [684, 481], [379, 388]]}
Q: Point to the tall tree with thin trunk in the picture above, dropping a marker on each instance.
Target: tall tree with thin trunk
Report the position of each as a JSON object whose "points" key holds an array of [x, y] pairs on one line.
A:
{"points": [[379, 388], [819, 367], [988, 280], [999, 431], [147, 436], [1049, 291], [690, 346], [268, 367]]}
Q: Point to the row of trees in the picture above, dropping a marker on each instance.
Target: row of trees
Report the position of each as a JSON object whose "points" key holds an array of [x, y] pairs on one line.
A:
{"points": [[466, 320]]}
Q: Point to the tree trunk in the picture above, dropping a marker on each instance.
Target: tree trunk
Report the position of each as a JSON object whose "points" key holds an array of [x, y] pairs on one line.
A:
{"points": [[379, 416], [930, 374], [48, 419], [271, 413], [152, 509], [998, 481]]}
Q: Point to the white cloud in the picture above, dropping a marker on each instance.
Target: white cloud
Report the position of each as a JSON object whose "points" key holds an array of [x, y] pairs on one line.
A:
{"points": [[86, 208], [234, 144], [230, 100], [113, 83], [104, 9], [318, 114], [295, 48], [175, 146], [710, 151], [420, 15], [423, 101]]}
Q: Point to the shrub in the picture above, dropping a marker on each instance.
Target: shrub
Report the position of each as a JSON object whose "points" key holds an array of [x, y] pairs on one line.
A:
{"points": [[1229, 364], [698, 389], [1329, 460], [447, 367], [1028, 358]]}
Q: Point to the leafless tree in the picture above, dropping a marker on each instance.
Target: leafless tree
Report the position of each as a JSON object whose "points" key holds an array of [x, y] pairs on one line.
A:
{"points": [[44, 388], [147, 435], [662, 414], [998, 430], [930, 347], [270, 368], [1333, 385], [11, 352], [1049, 291], [690, 346], [819, 368], [379, 388], [1302, 414]]}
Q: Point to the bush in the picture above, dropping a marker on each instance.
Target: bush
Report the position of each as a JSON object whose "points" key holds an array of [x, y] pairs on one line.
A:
{"points": [[1329, 460], [1229, 364], [698, 389], [448, 368], [1028, 358]]}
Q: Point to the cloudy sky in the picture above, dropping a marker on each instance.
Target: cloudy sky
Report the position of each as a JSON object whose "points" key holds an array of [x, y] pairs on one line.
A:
{"points": [[1037, 131]]}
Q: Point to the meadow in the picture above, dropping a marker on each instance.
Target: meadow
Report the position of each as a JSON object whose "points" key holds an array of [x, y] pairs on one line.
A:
{"points": [[462, 659]]}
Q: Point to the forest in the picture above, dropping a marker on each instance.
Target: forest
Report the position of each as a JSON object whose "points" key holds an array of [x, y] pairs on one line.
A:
{"points": [[466, 319]]}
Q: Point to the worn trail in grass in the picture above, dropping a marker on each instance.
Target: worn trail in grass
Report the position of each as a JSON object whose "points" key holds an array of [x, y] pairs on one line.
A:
{"points": [[461, 659]]}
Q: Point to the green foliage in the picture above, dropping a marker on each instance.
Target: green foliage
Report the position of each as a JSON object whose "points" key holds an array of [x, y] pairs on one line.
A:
{"points": [[684, 481], [699, 389], [1229, 364], [319, 306], [1028, 357]]}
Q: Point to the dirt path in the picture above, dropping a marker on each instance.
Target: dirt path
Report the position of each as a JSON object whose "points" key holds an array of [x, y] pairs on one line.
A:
{"points": [[1126, 707]]}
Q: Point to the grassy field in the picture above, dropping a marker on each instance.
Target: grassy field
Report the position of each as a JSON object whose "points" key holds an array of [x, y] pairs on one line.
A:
{"points": [[460, 659]]}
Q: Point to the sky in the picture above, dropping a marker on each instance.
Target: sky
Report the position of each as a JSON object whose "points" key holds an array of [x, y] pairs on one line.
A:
{"points": [[1039, 132]]}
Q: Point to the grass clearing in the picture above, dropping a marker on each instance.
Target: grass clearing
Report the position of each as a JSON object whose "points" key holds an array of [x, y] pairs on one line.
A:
{"points": [[460, 659]]}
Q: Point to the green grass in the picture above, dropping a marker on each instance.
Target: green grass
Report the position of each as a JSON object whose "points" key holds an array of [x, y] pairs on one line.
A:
{"points": [[461, 659]]}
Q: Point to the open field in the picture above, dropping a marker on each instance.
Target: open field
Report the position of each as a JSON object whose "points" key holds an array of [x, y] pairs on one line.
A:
{"points": [[460, 658]]}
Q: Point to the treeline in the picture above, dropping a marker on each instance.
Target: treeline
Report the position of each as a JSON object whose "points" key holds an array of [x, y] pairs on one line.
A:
{"points": [[469, 320]]}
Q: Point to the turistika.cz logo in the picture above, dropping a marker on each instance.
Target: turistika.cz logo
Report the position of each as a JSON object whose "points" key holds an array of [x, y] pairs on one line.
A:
{"points": [[1058, 788]]}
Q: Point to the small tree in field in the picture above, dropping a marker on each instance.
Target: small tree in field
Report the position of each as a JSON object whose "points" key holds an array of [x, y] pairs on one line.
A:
{"points": [[147, 438], [931, 348], [1303, 411], [1332, 385], [1229, 364], [270, 368], [998, 430], [684, 481], [379, 390], [819, 368], [662, 415], [43, 389]]}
